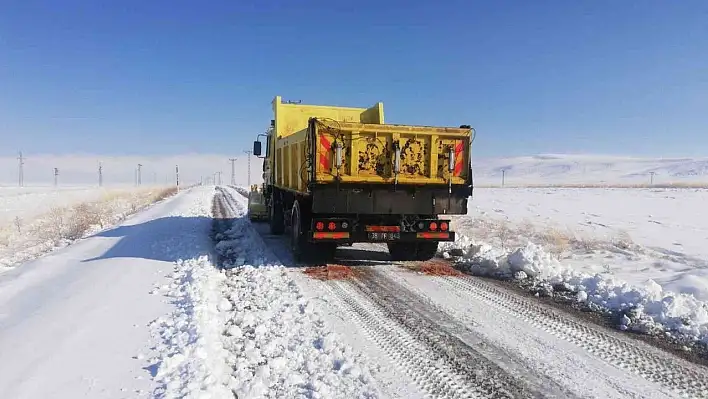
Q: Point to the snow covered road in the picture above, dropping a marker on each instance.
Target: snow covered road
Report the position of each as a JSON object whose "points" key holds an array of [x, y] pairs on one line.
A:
{"points": [[155, 308], [463, 337], [74, 323]]}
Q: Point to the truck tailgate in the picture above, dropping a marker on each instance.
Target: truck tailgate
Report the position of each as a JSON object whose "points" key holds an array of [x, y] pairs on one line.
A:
{"points": [[364, 153]]}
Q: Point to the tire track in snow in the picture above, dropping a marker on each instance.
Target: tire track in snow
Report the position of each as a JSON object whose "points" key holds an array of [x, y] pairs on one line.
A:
{"points": [[433, 377], [428, 347], [683, 378]]}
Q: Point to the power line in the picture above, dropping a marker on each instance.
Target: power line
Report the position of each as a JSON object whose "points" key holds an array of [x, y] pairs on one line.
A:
{"points": [[249, 152], [21, 176], [233, 171], [140, 178]]}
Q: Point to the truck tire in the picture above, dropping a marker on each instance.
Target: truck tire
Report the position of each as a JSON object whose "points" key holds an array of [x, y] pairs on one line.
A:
{"points": [[402, 251], [426, 250], [297, 242], [276, 217], [302, 249]]}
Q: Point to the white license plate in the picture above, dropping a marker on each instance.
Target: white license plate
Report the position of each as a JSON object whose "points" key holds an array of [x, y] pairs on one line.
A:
{"points": [[384, 236]]}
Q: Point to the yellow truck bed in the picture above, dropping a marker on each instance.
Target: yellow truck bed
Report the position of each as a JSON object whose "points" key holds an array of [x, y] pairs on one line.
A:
{"points": [[324, 144]]}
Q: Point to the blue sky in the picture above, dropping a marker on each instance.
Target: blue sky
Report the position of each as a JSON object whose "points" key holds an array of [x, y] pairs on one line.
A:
{"points": [[172, 77]]}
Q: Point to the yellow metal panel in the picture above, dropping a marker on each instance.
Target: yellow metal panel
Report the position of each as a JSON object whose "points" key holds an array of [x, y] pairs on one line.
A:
{"points": [[367, 148], [291, 118], [424, 155]]}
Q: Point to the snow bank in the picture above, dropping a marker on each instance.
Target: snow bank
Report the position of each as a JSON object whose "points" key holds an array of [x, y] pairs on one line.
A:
{"points": [[645, 308], [193, 359], [279, 345], [247, 330]]}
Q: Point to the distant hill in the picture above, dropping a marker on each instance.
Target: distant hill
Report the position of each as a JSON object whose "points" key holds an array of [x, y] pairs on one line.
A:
{"points": [[589, 169]]}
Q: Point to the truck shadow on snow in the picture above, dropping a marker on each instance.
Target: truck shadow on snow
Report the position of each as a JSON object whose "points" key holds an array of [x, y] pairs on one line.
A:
{"points": [[240, 240], [166, 239]]}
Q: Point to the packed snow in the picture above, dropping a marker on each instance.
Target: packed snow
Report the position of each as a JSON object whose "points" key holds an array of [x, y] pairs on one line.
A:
{"points": [[638, 251], [74, 323], [249, 330]]}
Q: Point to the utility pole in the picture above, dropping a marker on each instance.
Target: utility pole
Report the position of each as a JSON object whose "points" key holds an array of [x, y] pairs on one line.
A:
{"points": [[100, 175], [22, 170], [56, 176], [503, 176], [249, 152], [651, 181], [177, 176], [219, 173], [233, 171], [140, 178]]}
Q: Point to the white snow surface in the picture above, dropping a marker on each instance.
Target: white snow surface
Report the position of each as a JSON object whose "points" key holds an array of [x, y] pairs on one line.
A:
{"points": [[74, 323], [640, 251], [27, 202], [36, 220], [589, 169], [249, 330]]}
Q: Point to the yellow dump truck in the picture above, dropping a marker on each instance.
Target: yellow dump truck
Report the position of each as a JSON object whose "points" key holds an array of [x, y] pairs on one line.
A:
{"points": [[340, 175]]}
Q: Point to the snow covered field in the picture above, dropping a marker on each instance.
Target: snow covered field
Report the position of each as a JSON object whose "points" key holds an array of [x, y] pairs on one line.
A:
{"points": [[564, 169], [639, 250], [36, 220], [28, 202]]}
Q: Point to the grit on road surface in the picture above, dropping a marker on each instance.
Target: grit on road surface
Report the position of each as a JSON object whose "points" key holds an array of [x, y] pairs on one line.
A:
{"points": [[464, 337]]}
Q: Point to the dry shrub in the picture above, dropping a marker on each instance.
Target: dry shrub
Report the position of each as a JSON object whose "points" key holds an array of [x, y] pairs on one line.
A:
{"points": [[586, 243], [556, 240], [83, 217], [329, 272], [504, 233], [52, 227], [623, 240], [165, 193]]}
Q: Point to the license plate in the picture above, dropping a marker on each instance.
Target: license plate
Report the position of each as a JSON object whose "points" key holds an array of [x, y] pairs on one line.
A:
{"points": [[384, 236]]}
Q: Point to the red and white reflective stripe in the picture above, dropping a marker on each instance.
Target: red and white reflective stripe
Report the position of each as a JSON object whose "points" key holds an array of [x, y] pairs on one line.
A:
{"points": [[325, 153], [326, 235], [433, 235], [458, 157]]}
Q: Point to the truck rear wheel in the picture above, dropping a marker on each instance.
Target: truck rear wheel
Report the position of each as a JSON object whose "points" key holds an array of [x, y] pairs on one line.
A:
{"points": [[303, 250]]}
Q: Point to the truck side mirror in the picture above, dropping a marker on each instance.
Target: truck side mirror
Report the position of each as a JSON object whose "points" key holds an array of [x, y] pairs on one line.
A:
{"points": [[257, 148]]}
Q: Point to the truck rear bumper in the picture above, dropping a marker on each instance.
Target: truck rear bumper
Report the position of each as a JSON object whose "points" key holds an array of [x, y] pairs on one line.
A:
{"points": [[382, 237]]}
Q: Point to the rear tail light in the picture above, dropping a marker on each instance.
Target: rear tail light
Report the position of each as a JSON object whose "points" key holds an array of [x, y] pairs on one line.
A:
{"points": [[332, 225], [433, 226], [345, 225], [319, 226], [443, 226]]}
